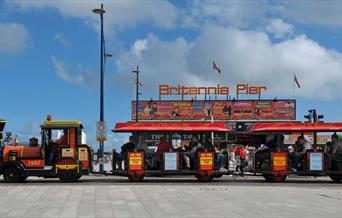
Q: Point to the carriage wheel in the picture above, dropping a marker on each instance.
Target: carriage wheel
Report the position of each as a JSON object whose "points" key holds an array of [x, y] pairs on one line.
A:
{"points": [[204, 178], [135, 178], [336, 178], [69, 175], [273, 178], [12, 174]]}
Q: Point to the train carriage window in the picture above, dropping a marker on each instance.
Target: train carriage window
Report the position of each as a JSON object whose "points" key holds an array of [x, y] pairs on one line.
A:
{"points": [[55, 136]]}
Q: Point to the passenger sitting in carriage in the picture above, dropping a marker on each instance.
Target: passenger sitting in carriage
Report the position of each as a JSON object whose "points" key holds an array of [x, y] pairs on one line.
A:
{"points": [[300, 148], [336, 153], [125, 148], [158, 156], [189, 152], [263, 154], [220, 157]]}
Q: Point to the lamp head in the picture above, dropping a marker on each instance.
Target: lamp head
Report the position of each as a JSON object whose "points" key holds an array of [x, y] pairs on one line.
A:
{"points": [[99, 11]]}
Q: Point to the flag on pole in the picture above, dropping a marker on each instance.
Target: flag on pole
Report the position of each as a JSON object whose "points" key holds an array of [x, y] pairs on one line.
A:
{"points": [[138, 82], [296, 80], [216, 67]]}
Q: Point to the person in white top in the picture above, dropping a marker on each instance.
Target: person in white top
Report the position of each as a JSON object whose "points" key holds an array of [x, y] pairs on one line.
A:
{"points": [[301, 146]]}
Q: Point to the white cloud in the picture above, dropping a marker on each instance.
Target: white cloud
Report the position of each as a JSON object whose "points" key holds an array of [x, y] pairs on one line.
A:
{"points": [[119, 14], [14, 38], [116, 140], [325, 13], [244, 14], [161, 62], [80, 76], [229, 13], [61, 39], [279, 28], [27, 131], [139, 46], [244, 56]]}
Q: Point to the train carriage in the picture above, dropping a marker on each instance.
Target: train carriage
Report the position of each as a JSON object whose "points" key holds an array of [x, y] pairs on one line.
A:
{"points": [[277, 164], [138, 162]]}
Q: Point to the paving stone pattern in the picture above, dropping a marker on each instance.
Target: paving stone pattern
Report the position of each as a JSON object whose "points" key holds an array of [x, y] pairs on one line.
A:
{"points": [[108, 199]]}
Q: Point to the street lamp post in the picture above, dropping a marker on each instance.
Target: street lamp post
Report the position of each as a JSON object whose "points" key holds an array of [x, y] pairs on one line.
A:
{"points": [[101, 11]]}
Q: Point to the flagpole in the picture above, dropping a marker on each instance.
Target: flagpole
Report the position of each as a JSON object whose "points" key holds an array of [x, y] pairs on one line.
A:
{"points": [[136, 93], [134, 87], [293, 88]]}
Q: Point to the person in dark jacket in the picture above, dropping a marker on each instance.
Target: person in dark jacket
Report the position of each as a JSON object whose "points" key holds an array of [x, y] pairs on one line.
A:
{"points": [[271, 142], [125, 148], [336, 145], [336, 153], [300, 148], [263, 153]]}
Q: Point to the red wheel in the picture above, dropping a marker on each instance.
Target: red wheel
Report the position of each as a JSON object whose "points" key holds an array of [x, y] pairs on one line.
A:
{"points": [[278, 179], [267, 178], [204, 178], [135, 178], [273, 178], [69, 175]]}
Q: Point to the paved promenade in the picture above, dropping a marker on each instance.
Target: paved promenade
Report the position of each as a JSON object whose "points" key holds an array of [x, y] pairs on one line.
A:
{"points": [[115, 197]]}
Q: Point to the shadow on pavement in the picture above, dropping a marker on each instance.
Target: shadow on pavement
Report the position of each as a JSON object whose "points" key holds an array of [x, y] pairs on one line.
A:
{"points": [[184, 181]]}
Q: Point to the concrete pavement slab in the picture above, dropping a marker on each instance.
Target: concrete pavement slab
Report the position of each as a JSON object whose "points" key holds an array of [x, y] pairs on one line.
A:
{"points": [[171, 198]]}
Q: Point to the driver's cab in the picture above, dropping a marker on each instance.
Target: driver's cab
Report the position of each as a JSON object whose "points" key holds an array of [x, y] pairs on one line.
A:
{"points": [[60, 140]]}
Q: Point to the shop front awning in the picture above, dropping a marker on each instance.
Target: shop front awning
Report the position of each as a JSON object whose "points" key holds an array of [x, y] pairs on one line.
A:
{"points": [[171, 127], [296, 127]]}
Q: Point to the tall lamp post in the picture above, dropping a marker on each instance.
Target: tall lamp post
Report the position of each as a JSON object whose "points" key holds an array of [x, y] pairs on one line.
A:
{"points": [[101, 11]]}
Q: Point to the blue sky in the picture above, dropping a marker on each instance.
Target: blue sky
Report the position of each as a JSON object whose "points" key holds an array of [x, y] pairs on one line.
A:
{"points": [[49, 55]]}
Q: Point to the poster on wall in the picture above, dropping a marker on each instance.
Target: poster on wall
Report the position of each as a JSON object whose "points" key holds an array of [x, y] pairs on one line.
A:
{"points": [[219, 109], [291, 139]]}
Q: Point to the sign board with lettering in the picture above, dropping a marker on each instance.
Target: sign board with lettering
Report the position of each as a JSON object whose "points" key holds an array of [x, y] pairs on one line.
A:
{"points": [[136, 160], [101, 134], [316, 161], [171, 161], [219, 109], [279, 161], [82, 154], [33, 163], [206, 160], [246, 89], [321, 139]]}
